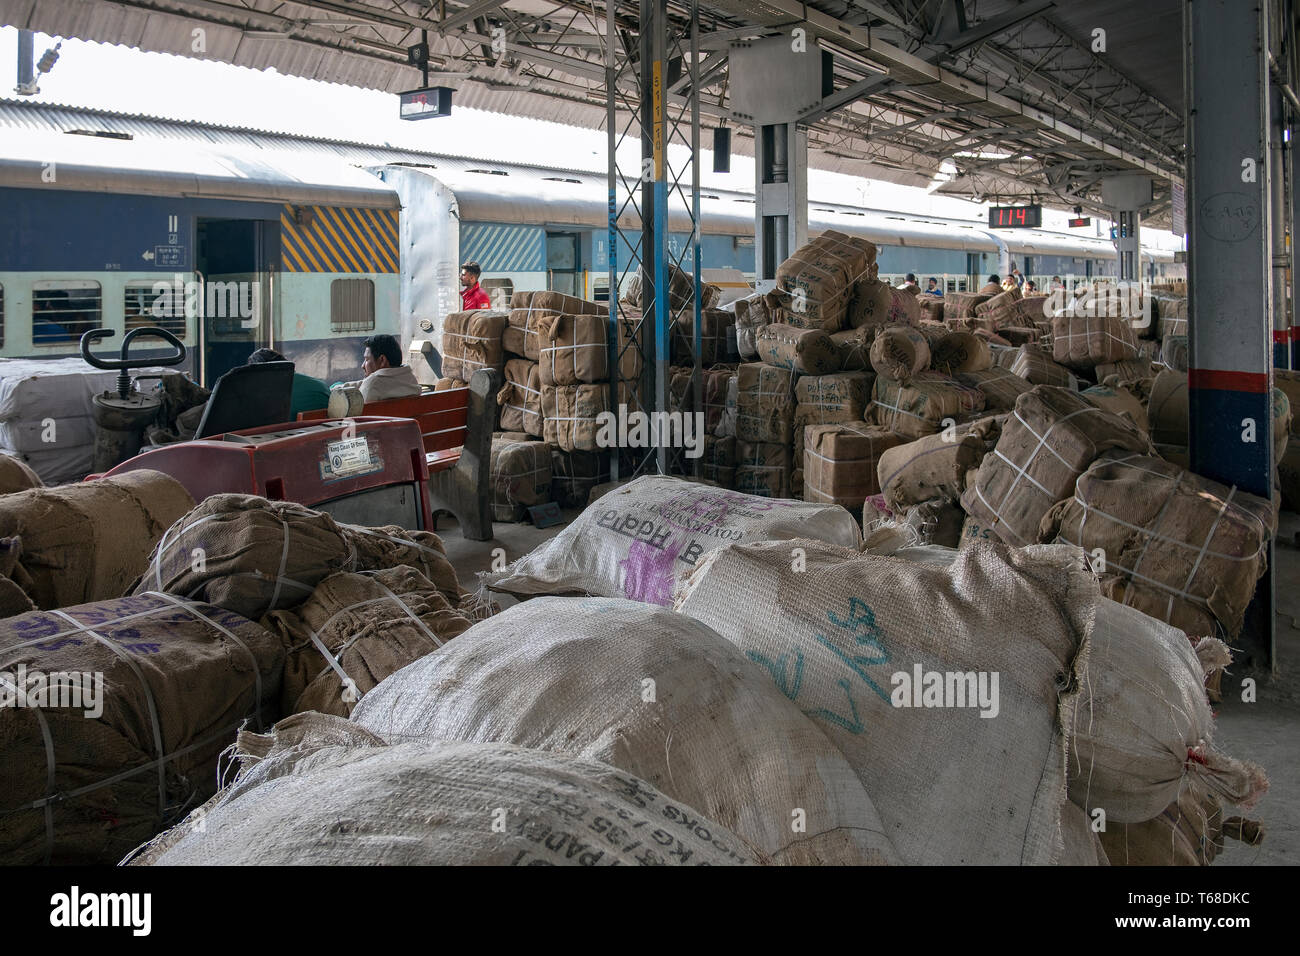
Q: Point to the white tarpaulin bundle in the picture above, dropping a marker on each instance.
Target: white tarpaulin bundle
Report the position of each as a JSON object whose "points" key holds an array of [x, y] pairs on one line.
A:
{"points": [[641, 540], [900, 663], [321, 791], [653, 693]]}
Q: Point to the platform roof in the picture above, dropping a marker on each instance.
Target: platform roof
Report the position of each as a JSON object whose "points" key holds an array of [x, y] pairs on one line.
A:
{"points": [[1009, 94]]}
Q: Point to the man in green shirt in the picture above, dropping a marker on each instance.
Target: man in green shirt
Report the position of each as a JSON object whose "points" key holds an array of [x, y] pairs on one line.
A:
{"points": [[309, 394]]}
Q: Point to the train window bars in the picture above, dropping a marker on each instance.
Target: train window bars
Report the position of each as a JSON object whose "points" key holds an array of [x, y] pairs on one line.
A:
{"points": [[352, 305], [143, 305], [65, 309]]}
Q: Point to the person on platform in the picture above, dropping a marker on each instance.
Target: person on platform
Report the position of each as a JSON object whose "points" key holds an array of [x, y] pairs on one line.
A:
{"points": [[309, 394], [386, 376], [1017, 278], [909, 284], [932, 287], [472, 295], [992, 287]]}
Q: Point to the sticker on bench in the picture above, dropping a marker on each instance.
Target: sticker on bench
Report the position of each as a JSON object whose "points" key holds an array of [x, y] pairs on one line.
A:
{"points": [[545, 515], [348, 458]]}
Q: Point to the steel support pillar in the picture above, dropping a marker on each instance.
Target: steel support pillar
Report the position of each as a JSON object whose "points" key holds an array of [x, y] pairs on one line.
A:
{"points": [[1126, 195], [780, 197], [1230, 266], [1279, 255], [1291, 348]]}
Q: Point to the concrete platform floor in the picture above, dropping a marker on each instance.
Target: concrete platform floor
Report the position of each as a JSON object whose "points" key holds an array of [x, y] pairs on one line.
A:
{"points": [[1266, 732]]}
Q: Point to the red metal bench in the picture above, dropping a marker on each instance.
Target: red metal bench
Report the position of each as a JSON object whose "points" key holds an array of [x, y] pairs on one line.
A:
{"points": [[456, 426]]}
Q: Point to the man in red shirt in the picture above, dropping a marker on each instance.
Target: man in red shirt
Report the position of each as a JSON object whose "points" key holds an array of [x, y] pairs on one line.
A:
{"points": [[472, 295]]}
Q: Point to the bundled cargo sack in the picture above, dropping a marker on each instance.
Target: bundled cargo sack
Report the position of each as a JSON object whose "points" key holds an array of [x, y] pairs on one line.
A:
{"points": [[764, 403], [356, 630], [820, 277], [1179, 547], [569, 415], [1142, 733], [16, 476], [839, 462], [681, 291], [861, 643], [829, 400], [903, 309], [920, 407], [719, 417], [1134, 370], [1167, 412], [764, 469], [718, 463], [717, 736], [1050, 440], [89, 541], [1085, 341], [521, 477], [931, 467], [514, 339], [871, 304], [252, 556], [1036, 367], [806, 351], [1120, 400], [520, 399], [1000, 387], [961, 305], [716, 327], [854, 348], [126, 709], [752, 313], [640, 541], [960, 352], [1189, 832], [1018, 336], [931, 308], [1031, 309], [471, 341], [574, 474], [573, 349], [321, 791], [899, 352], [999, 310], [544, 300]]}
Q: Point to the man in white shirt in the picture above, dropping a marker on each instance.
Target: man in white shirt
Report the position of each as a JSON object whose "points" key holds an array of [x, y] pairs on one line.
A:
{"points": [[386, 376]]}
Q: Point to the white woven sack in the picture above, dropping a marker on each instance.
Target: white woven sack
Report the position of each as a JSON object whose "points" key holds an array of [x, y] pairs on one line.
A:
{"points": [[641, 540], [653, 693]]}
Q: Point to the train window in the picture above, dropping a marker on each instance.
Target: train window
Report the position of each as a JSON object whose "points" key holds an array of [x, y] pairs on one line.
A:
{"points": [[143, 307], [65, 309], [499, 291], [352, 305]]}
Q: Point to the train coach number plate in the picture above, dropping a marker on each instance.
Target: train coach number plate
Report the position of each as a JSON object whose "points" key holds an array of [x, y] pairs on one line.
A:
{"points": [[348, 458]]}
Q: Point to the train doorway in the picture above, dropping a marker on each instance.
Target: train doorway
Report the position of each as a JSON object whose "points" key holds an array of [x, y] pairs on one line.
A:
{"points": [[236, 306], [563, 265]]}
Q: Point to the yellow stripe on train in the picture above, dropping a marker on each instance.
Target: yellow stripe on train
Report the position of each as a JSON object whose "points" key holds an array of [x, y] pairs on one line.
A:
{"points": [[339, 239]]}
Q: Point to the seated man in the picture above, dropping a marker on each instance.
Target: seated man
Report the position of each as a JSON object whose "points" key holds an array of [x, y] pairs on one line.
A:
{"points": [[386, 376], [308, 393], [932, 287]]}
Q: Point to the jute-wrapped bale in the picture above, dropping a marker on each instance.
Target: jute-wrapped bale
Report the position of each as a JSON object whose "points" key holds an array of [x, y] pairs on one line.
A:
{"points": [[319, 790], [739, 748], [764, 469], [546, 301], [1179, 547], [807, 351], [642, 540], [471, 341], [899, 352], [854, 348], [829, 400], [1143, 732], [1031, 309], [572, 349], [838, 629], [1045, 446], [903, 308], [928, 468], [1119, 400], [719, 418], [820, 278], [1018, 336], [764, 403], [919, 407], [1000, 387], [961, 305], [1167, 412], [752, 313], [1190, 832], [521, 477], [715, 324], [718, 452], [1135, 370], [88, 542], [960, 352], [520, 399], [681, 291], [569, 415], [376, 549], [574, 474], [356, 630], [931, 307], [871, 304], [128, 706], [1037, 367], [839, 462], [999, 310], [1085, 341], [16, 476]]}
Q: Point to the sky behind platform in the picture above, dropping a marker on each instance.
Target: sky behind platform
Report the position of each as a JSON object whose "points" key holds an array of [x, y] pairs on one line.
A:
{"points": [[121, 79]]}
